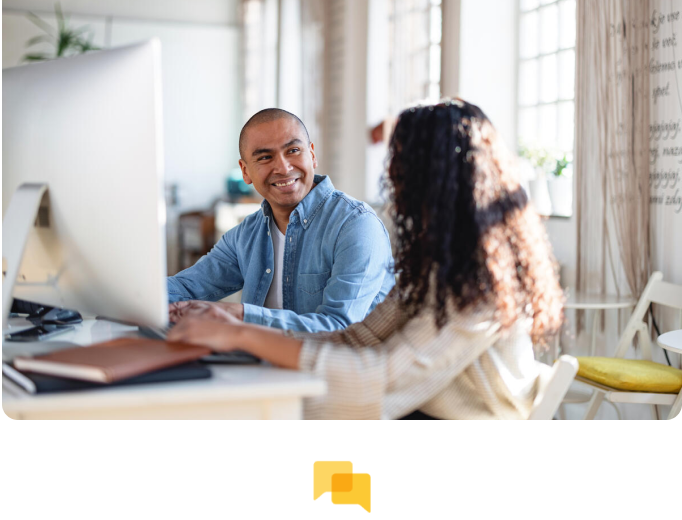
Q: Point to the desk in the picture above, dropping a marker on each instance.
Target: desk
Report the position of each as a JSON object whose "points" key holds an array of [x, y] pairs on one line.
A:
{"points": [[234, 391]]}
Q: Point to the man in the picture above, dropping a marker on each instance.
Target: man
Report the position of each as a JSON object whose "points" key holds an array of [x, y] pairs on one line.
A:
{"points": [[313, 259]]}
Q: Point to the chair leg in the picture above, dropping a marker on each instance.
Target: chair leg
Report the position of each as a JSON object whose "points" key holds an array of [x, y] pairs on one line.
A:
{"points": [[593, 343], [654, 411], [677, 406], [592, 408], [616, 410]]}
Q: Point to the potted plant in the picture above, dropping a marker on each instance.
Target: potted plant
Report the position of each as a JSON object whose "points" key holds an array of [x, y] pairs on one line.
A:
{"points": [[560, 186], [66, 40], [536, 160]]}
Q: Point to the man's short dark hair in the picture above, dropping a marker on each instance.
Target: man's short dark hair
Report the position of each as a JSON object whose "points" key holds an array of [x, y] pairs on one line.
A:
{"points": [[265, 116]]}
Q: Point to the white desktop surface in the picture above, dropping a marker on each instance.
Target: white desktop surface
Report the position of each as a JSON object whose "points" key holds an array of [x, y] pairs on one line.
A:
{"points": [[234, 391]]}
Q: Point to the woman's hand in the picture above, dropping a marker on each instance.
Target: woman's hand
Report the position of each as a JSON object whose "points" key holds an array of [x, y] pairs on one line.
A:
{"points": [[219, 311], [221, 336], [230, 334]]}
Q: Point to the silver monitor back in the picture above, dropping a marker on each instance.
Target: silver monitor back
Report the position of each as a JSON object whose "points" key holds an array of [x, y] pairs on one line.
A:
{"points": [[90, 127]]}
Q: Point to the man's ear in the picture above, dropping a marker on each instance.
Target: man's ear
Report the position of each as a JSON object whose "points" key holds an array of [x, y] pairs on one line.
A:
{"points": [[312, 152], [245, 175]]}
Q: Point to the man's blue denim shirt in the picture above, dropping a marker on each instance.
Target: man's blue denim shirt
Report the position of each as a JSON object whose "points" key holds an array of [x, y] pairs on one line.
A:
{"points": [[337, 264]]}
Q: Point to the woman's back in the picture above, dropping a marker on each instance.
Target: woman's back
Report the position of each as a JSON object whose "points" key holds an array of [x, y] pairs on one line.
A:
{"points": [[390, 365]]}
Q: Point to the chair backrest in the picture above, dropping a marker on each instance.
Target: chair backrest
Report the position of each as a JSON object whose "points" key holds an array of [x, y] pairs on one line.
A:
{"points": [[553, 387], [656, 291], [665, 293]]}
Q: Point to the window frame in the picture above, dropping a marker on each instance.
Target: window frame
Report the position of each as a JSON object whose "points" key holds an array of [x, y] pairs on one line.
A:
{"points": [[558, 101], [428, 87]]}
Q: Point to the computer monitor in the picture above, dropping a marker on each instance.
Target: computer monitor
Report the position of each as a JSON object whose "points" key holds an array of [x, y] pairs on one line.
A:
{"points": [[89, 128]]}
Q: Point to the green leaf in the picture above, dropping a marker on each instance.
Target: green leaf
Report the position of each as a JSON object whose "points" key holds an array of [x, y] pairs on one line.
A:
{"points": [[561, 165], [60, 16], [39, 39], [67, 41], [35, 57], [42, 24], [87, 46]]}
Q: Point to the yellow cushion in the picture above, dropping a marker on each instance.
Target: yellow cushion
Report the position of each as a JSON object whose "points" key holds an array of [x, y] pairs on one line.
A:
{"points": [[632, 375]]}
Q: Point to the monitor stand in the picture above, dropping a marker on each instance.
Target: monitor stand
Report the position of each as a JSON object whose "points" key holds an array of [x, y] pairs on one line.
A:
{"points": [[28, 207]]}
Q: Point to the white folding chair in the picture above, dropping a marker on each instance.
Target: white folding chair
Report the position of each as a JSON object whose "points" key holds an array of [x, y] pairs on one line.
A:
{"points": [[661, 293], [553, 386]]}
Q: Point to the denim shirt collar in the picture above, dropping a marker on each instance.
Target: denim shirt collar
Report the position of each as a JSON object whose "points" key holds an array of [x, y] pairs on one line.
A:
{"points": [[308, 208]]}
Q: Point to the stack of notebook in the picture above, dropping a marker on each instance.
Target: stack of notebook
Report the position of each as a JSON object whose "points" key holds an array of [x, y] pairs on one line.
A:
{"points": [[118, 362]]}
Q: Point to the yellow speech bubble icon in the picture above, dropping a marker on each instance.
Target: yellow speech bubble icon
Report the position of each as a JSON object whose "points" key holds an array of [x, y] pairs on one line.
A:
{"points": [[352, 488], [323, 471]]}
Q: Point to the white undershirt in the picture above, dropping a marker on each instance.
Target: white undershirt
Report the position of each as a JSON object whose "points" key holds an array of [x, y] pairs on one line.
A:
{"points": [[274, 298]]}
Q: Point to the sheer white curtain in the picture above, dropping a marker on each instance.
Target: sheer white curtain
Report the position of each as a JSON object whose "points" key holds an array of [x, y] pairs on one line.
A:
{"points": [[612, 145]]}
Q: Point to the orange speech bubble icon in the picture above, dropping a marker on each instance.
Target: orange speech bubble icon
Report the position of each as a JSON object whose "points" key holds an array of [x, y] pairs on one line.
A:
{"points": [[352, 488]]}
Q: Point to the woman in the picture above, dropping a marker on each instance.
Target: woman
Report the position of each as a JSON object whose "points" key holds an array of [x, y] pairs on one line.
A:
{"points": [[477, 285]]}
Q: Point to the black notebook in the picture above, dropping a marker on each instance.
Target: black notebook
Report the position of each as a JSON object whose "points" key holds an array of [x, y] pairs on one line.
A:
{"points": [[43, 384]]}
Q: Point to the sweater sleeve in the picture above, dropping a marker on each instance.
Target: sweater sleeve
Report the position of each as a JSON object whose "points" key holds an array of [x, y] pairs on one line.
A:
{"points": [[386, 317], [396, 375]]}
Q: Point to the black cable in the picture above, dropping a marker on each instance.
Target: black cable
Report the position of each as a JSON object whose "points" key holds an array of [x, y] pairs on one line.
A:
{"points": [[658, 332]]}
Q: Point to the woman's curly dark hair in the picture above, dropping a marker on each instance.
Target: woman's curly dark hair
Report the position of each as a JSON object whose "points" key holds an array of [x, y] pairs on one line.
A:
{"points": [[464, 227]]}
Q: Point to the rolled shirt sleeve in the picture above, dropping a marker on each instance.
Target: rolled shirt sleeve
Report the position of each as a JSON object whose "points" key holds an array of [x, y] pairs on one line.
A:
{"points": [[215, 276]]}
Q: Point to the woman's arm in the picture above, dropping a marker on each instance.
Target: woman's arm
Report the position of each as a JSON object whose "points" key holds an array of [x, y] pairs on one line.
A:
{"points": [[384, 320], [271, 345], [266, 343]]}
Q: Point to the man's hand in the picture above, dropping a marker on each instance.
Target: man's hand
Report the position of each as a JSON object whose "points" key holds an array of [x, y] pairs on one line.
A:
{"points": [[217, 311]]}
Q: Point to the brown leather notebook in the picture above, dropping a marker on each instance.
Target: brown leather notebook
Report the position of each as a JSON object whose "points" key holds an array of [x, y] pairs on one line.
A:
{"points": [[113, 360]]}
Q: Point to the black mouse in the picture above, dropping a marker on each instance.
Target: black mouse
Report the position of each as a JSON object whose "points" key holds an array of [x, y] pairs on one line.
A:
{"points": [[56, 316]]}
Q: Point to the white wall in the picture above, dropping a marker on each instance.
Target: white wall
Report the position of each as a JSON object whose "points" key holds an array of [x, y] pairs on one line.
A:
{"points": [[487, 61], [208, 12], [666, 206], [201, 81], [200, 104]]}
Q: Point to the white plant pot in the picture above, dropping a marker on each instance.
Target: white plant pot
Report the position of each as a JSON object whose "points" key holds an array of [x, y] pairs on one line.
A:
{"points": [[561, 195], [539, 194]]}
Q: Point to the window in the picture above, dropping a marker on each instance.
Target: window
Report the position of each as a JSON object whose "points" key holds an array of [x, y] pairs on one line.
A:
{"points": [[546, 72], [414, 52], [259, 63]]}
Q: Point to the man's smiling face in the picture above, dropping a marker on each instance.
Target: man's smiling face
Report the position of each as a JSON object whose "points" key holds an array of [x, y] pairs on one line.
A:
{"points": [[279, 162]]}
